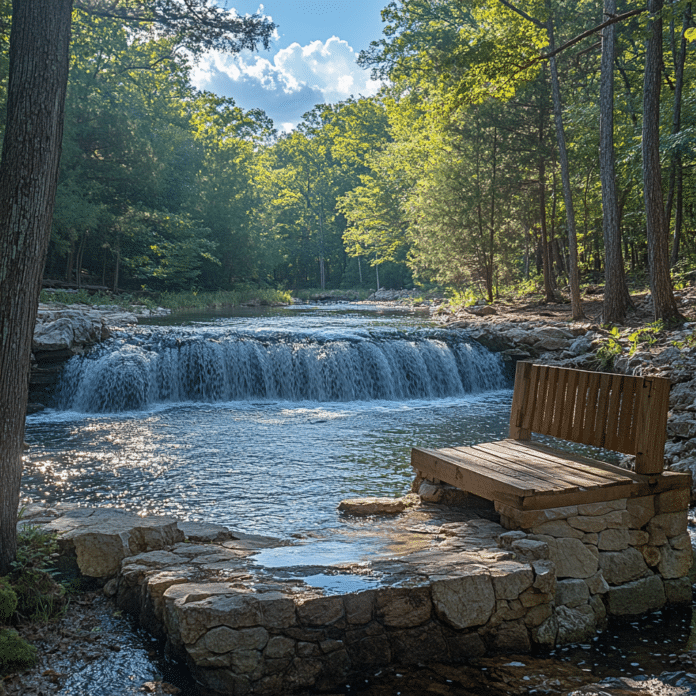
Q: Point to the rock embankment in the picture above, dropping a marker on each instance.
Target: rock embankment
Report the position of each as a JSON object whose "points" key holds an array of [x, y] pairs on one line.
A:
{"points": [[589, 346], [450, 586], [63, 331]]}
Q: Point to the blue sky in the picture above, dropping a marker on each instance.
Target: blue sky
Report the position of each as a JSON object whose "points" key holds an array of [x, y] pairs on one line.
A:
{"points": [[311, 61]]}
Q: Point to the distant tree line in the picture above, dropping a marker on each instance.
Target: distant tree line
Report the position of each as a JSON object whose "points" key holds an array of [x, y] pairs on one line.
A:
{"points": [[508, 148]]}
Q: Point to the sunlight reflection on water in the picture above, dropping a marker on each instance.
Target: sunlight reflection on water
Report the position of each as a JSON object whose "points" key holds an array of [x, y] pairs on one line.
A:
{"points": [[268, 468]]}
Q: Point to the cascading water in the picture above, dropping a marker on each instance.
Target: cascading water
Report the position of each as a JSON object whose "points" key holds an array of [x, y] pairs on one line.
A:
{"points": [[149, 366]]}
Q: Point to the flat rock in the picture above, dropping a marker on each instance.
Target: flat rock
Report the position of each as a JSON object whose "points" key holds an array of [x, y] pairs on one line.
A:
{"points": [[377, 506], [102, 538], [205, 531]]}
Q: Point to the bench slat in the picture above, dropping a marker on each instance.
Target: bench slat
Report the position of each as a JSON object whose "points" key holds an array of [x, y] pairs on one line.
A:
{"points": [[565, 432], [580, 466], [536, 477], [651, 426], [540, 464], [502, 471]]}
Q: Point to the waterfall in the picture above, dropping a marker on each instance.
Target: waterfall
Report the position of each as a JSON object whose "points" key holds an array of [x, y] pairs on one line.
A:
{"points": [[148, 366]]}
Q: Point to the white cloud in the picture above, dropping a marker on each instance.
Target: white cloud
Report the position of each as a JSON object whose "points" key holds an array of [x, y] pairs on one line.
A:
{"points": [[294, 80]]}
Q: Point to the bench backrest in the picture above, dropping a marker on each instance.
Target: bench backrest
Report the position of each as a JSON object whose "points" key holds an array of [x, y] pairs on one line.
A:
{"points": [[618, 412]]}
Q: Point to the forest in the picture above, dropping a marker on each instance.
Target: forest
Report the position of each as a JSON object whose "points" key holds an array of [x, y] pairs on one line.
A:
{"points": [[505, 150]]}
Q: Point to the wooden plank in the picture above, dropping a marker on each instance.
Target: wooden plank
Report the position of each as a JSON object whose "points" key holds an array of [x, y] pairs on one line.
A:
{"points": [[539, 478], [612, 437], [651, 425], [551, 466], [430, 464], [580, 408], [555, 462], [452, 459], [578, 459], [532, 397], [545, 405], [636, 489], [543, 501], [571, 405], [470, 458], [604, 391], [627, 421], [560, 407], [539, 385], [519, 399], [589, 424]]}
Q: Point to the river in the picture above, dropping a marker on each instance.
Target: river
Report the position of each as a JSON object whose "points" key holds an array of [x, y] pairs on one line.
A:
{"points": [[263, 423], [265, 420]]}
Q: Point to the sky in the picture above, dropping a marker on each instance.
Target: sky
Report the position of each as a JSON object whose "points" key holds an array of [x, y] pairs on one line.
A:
{"points": [[311, 60]]}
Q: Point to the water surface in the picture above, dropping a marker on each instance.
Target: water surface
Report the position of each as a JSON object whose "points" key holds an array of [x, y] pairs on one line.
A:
{"points": [[253, 460]]}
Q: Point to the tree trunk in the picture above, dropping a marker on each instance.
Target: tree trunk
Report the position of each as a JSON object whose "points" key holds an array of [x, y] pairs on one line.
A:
{"points": [[676, 168], [665, 306], [38, 76], [573, 275], [617, 299], [491, 227], [549, 283]]}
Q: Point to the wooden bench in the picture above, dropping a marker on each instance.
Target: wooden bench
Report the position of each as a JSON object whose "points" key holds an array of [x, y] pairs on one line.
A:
{"points": [[616, 412]]}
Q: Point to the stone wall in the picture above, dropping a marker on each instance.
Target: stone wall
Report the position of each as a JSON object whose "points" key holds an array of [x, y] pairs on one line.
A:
{"points": [[621, 557], [455, 589]]}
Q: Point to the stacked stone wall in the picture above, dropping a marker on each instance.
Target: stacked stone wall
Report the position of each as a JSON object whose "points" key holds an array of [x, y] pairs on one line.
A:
{"points": [[470, 588], [621, 557]]}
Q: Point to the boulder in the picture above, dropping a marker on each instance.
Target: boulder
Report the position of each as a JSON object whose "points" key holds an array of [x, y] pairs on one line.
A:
{"points": [[102, 538], [638, 597], [467, 600]]}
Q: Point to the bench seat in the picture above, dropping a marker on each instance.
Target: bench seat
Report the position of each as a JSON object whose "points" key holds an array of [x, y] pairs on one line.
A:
{"points": [[532, 476], [623, 413]]}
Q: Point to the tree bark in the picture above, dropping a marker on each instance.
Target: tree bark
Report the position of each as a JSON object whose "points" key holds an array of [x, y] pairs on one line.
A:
{"points": [[549, 282], [676, 168], [617, 299], [573, 275], [665, 306], [38, 76]]}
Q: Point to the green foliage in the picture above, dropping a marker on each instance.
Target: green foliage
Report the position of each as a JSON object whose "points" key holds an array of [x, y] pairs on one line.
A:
{"points": [[645, 336], [610, 349], [15, 652], [439, 178], [463, 298], [196, 299], [40, 597], [8, 600]]}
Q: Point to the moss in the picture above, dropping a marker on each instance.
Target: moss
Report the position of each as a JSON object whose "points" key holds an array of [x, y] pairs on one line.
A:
{"points": [[8, 600], [15, 652]]}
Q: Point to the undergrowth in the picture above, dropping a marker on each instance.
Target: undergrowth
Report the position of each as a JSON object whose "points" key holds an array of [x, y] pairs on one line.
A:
{"points": [[29, 594]]}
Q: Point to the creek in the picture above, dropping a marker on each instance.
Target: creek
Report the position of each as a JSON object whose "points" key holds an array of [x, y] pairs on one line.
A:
{"points": [[265, 420]]}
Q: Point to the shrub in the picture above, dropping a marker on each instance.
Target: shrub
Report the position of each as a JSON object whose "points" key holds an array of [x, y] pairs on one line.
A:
{"points": [[15, 652], [40, 597], [8, 601]]}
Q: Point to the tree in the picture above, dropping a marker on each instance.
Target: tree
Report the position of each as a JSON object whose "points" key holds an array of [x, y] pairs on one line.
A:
{"points": [[664, 304], [38, 75], [616, 296]]}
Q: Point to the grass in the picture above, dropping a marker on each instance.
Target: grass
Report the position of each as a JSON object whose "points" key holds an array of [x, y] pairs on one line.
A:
{"points": [[311, 293], [195, 299], [192, 299]]}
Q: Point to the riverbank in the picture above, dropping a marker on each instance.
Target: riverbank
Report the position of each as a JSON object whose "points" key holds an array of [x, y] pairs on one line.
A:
{"points": [[558, 353], [230, 602]]}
